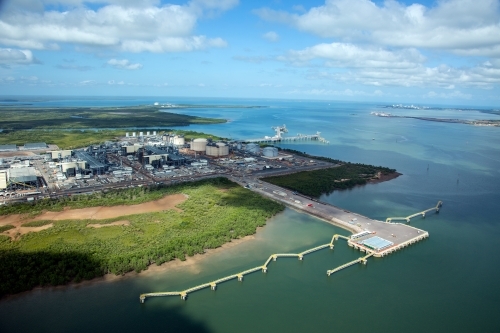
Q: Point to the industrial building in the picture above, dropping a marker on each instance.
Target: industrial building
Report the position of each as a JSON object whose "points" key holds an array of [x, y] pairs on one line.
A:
{"points": [[158, 157], [35, 146], [8, 147], [60, 154], [20, 177], [130, 149], [92, 165], [3, 179], [72, 168]]}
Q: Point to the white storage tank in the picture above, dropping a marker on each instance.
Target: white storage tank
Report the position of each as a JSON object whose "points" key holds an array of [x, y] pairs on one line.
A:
{"points": [[212, 150], [199, 145], [253, 148], [270, 152], [223, 148], [179, 140]]}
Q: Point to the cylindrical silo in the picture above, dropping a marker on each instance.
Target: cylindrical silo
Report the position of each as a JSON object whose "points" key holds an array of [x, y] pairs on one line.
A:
{"points": [[199, 145], [212, 150], [270, 152], [253, 148], [179, 140], [223, 148]]}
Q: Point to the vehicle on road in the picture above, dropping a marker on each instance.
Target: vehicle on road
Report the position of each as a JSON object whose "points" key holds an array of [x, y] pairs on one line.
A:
{"points": [[310, 205]]}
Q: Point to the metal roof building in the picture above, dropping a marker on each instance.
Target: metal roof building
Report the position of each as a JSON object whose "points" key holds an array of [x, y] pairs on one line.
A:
{"points": [[94, 165], [8, 147], [35, 145], [22, 175], [377, 243]]}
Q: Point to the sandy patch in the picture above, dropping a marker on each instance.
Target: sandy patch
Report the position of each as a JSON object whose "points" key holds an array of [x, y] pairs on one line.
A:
{"points": [[19, 231], [15, 219], [97, 226], [384, 178], [91, 213], [16, 153], [101, 213]]}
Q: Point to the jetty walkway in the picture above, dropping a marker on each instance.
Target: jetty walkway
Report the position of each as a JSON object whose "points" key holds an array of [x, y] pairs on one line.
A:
{"points": [[408, 218], [375, 238], [213, 284]]}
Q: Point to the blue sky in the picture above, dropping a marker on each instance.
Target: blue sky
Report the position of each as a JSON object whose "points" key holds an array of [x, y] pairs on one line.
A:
{"points": [[444, 52]]}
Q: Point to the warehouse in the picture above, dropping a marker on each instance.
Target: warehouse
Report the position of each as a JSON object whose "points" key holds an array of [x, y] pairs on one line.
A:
{"points": [[35, 146]]}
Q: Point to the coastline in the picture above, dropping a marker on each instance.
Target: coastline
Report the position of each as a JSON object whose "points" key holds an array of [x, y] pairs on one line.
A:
{"points": [[151, 269], [197, 258], [385, 178]]}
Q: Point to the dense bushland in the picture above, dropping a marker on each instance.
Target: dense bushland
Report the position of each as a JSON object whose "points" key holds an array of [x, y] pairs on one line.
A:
{"points": [[318, 182], [216, 211]]}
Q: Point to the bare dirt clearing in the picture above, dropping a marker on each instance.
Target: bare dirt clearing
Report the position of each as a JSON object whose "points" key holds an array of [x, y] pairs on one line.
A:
{"points": [[91, 213], [18, 231], [101, 213]]}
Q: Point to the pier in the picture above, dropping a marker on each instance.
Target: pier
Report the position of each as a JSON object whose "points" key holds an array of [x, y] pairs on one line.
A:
{"points": [[362, 260], [240, 275], [373, 237], [408, 218], [280, 130]]}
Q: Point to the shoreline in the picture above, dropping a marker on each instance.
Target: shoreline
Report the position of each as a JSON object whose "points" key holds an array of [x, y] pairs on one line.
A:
{"points": [[151, 269], [193, 260], [385, 178]]}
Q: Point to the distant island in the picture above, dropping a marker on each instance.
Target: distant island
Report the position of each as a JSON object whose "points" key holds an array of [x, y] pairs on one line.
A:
{"points": [[22, 118], [476, 122]]}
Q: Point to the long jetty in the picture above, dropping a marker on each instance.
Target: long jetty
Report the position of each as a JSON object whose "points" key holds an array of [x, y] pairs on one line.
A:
{"points": [[408, 218], [352, 241], [213, 284]]}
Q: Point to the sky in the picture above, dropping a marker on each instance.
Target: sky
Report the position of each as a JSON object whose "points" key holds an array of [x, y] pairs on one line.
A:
{"points": [[444, 52]]}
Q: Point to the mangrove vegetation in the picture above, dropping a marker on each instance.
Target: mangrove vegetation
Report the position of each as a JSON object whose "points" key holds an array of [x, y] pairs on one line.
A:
{"points": [[215, 212], [318, 182]]}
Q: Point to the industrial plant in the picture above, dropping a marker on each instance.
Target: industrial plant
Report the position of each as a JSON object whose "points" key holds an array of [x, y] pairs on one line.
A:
{"points": [[38, 170]]}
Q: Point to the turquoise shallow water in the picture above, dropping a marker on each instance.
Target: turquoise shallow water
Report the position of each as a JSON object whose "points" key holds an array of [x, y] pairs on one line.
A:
{"points": [[446, 283]]}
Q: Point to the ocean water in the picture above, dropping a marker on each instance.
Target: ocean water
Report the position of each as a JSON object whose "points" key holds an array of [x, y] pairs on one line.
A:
{"points": [[448, 282]]}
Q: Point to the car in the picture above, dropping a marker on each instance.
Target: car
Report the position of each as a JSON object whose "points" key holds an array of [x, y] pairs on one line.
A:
{"points": [[310, 205]]}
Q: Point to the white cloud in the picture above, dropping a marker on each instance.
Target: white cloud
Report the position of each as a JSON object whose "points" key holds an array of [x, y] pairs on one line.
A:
{"points": [[377, 66], [120, 26], [123, 64], [457, 25], [215, 4], [349, 55], [271, 36], [16, 57], [337, 93], [453, 95]]}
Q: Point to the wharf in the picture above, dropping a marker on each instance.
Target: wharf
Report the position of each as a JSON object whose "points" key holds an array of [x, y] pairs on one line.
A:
{"points": [[399, 234], [375, 238]]}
